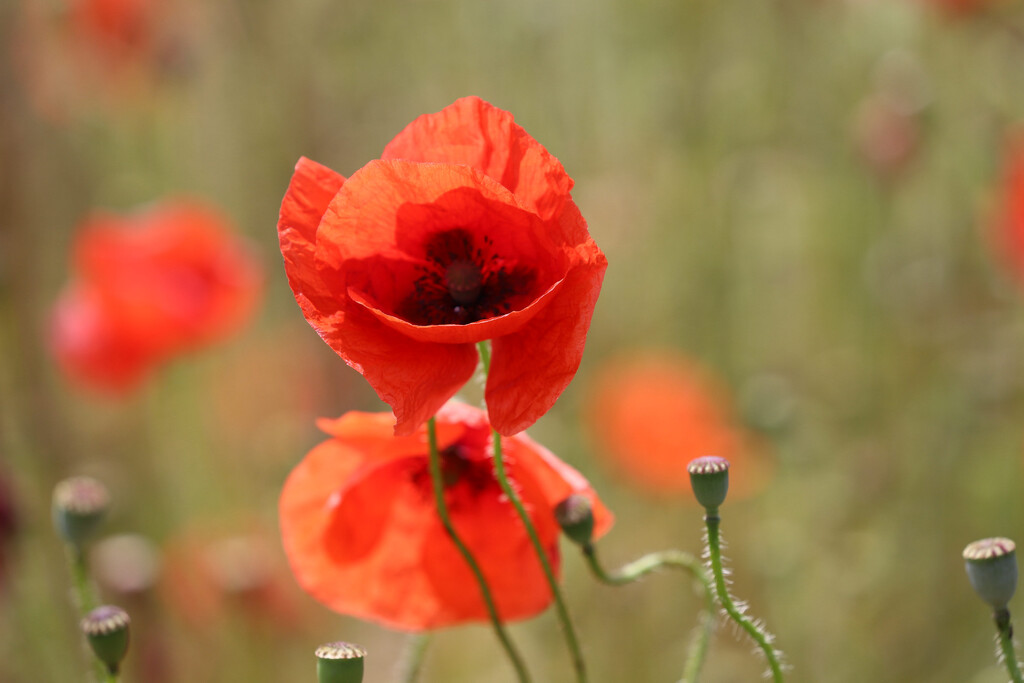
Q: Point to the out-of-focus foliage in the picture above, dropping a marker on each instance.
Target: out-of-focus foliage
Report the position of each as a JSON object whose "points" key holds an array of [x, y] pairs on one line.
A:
{"points": [[798, 194]]}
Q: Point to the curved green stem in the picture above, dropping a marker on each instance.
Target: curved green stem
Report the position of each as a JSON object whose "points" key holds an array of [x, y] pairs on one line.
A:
{"points": [[1009, 656], [499, 471], [672, 559], [437, 478], [759, 636]]}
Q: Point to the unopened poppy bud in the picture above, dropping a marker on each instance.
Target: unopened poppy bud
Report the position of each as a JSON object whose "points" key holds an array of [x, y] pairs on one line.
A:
{"points": [[992, 570], [576, 517], [107, 630], [709, 477], [339, 663], [79, 505]]}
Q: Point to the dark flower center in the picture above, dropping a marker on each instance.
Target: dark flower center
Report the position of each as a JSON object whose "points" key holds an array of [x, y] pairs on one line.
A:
{"points": [[458, 471], [465, 281], [461, 281]]}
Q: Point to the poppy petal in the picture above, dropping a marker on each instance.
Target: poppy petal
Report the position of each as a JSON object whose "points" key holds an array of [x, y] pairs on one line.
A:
{"points": [[363, 536], [372, 434], [90, 347], [476, 133], [414, 378], [488, 524], [555, 479], [531, 368], [309, 193]]}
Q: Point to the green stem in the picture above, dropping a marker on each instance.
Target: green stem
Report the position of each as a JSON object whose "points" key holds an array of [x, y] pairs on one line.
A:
{"points": [[1006, 645], [412, 661], [672, 559], [756, 633], [499, 471], [85, 597], [437, 478], [85, 592]]}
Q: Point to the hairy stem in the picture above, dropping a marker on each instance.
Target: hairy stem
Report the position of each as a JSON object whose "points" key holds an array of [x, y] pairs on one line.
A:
{"points": [[1009, 656], [759, 636], [670, 559]]}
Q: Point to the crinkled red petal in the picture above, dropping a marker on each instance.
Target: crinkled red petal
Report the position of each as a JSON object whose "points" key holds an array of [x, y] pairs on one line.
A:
{"points": [[476, 133], [532, 367], [413, 377]]}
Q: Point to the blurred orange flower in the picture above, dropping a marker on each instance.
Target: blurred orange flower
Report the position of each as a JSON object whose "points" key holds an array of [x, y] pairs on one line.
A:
{"points": [[651, 413], [148, 286], [464, 231], [361, 530]]}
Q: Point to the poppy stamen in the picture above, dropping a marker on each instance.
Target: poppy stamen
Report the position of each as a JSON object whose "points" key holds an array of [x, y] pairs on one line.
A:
{"points": [[463, 281]]}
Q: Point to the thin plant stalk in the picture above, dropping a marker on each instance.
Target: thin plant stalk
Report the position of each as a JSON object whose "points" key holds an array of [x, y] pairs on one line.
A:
{"points": [[437, 478], [85, 592], [670, 559], [757, 634], [568, 630], [411, 664], [85, 598], [1009, 655]]}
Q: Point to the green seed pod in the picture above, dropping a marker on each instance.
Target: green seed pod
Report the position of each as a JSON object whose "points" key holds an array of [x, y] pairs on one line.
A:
{"points": [[992, 570], [576, 517], [339, 663], [79, 505], [709, 477], [107, 630]]}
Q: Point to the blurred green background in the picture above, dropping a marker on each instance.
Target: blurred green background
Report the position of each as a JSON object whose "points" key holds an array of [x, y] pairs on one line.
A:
{"points": [[796, 193]]}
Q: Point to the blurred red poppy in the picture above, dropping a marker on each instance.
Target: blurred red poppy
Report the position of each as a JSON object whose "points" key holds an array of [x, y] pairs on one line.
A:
{"points": [[464, 231], [70, 53], [1008, 228], [960, 8], [361, 530], [148, 286], [219, 566], [652, 413]]}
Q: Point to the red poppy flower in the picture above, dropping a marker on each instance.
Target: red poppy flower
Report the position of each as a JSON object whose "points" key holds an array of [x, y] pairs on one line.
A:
{"points": [[149, 286], [960, 8], [1008, 229], [71, 55], [218, 566], [464, 231], [120, 28], [652, 414], [361, 530]]}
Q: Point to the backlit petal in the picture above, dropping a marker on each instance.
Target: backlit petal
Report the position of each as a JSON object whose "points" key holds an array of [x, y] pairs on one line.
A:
{"points": [[476, 133], [531, 367]]}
